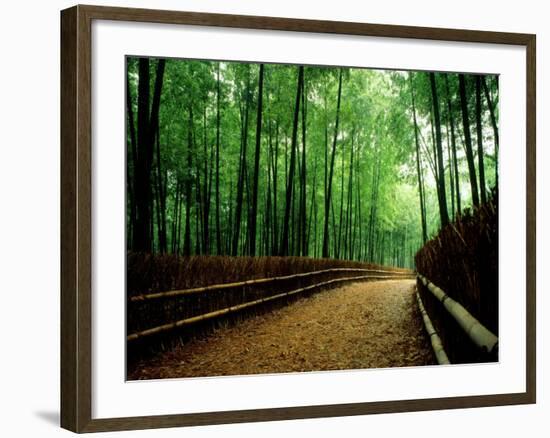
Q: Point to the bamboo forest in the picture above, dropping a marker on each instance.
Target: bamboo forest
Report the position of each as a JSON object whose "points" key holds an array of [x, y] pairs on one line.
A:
{"points": [[242, 172]]}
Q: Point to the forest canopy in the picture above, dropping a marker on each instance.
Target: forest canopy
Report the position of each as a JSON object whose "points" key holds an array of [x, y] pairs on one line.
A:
{"points": [[233, 158]]}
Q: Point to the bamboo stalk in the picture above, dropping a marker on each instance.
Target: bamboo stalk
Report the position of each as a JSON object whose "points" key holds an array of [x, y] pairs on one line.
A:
{"points": [[232, 309], [223, 286], [478, 333], [437, 346]]}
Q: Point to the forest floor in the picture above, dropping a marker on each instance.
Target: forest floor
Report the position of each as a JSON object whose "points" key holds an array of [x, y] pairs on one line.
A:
{"points": [[359, 325]]}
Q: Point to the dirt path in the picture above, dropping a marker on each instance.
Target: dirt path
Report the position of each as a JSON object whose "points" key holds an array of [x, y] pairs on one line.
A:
{"points": [[360, 325]]}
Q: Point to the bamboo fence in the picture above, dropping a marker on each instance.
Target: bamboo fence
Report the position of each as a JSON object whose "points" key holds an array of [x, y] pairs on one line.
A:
{"points": [[477, 332], [255, 282], [215, 314], [437, 345]]}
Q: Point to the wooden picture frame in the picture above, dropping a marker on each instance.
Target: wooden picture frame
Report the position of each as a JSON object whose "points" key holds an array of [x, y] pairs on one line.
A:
{"points": [[76, 217]]}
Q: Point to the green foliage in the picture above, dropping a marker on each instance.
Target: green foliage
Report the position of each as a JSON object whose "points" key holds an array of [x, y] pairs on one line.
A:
{"points": [[375, 212]]}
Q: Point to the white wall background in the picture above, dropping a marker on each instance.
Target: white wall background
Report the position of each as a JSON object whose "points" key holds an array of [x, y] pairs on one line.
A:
{"points": [[29, 215]]}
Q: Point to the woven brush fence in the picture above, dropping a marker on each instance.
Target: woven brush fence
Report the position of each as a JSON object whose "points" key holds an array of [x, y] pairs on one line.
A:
{"points": [[156, 273], [463, 261]]}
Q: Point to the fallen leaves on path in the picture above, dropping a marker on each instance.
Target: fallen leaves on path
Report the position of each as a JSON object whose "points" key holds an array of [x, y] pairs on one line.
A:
{"points": [[357, 326]]}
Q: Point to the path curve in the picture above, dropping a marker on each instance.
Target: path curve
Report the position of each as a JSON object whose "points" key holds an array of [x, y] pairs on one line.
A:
{"points": [[359, 325]]}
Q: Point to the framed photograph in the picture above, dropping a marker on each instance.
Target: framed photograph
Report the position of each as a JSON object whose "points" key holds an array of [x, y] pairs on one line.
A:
{"points": [[270, 218]]}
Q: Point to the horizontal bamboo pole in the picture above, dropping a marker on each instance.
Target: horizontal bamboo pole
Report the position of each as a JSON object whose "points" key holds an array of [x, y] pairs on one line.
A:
{"points": [[478, 333], [437, 346], [223, 286], [232, 309]]}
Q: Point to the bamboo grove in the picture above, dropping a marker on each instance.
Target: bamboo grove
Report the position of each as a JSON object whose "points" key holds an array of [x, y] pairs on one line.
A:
{"points": [[234, 159]]}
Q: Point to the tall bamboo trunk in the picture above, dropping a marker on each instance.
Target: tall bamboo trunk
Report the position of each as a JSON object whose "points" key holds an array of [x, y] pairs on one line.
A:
{"points": [[479, 135], [490, 104], [328, 193], [218, 225], [142, 171], [418, 168], [468, 139], [453, 145], [303, 194], [290, 184], [442, 195], [188, 186], [242, 172], [254, 209]]}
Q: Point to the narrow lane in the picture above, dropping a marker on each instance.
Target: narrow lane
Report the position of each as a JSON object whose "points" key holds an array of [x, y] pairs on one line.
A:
{"points": [[360, 325]]}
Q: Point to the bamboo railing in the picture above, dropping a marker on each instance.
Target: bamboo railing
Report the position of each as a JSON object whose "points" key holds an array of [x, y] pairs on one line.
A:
{"points": [[477, 332], [219, 287], [437, 345], [238, 307]]}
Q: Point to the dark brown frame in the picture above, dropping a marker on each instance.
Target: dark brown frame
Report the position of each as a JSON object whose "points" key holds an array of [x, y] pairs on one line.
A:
{"points": [[76, 243]]}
